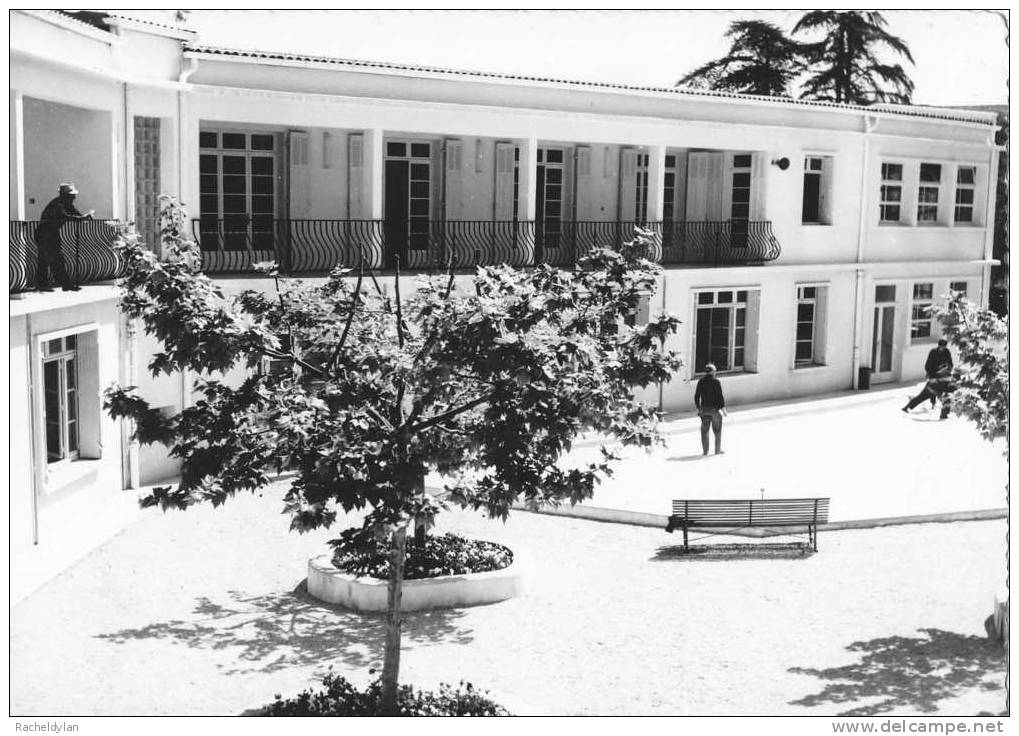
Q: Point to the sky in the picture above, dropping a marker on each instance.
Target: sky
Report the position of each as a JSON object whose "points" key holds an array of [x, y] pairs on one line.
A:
{"points": [[961, 56]]}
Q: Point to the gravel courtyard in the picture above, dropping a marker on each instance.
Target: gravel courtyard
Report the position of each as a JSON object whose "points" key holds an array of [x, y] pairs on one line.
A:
{"points": [[203, 613]]}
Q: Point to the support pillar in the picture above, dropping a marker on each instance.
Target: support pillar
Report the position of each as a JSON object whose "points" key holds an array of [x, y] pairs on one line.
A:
{"points": [[374, 163], [17, 150]]}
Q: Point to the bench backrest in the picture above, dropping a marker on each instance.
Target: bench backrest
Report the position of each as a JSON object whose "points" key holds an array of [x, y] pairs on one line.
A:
{"points": [[752, 512]]}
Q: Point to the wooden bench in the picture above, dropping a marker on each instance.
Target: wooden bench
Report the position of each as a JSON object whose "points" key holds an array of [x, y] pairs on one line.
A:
{"points": [[736, 514]]}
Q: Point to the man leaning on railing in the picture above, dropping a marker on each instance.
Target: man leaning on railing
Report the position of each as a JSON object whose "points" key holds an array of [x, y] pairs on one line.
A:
{"points": [[59, 211]]}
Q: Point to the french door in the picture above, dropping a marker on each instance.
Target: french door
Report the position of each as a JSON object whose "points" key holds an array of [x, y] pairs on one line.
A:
{"points": [[883, 341], [407, 200], [548, 209]]}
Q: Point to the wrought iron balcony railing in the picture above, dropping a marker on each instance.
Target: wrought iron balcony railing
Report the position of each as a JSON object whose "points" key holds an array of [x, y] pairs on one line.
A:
{"points": [[86, 245], [233, 245]]}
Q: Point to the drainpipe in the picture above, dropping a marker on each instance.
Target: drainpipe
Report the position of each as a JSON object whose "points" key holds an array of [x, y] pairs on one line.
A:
{"points": [[869, 126], [989, 212], [33, 433], [183, 77]]}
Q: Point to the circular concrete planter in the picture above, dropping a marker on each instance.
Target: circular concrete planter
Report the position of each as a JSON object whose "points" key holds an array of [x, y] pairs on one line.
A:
{"points": [[330, 584]]}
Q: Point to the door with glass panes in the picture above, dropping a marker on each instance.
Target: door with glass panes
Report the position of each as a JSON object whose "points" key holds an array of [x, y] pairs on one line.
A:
{"points": [[548, 209], [883, 340], [239, 190], [407, 204]]}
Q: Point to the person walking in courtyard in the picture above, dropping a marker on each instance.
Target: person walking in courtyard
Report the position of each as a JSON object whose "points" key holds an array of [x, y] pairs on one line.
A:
{"points": [[938, 369], [59, 211], [711, 407]]}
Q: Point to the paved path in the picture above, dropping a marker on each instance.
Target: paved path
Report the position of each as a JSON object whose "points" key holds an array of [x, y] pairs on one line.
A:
{"points": [[858, 448], [201, 613]]}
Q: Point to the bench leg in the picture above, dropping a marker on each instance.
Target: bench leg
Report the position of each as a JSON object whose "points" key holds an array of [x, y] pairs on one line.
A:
{"points": [[685, 545]]}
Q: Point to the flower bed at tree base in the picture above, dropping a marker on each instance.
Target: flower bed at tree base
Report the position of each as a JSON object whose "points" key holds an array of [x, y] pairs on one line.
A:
{"points": [[448, 572], [340, 698]]}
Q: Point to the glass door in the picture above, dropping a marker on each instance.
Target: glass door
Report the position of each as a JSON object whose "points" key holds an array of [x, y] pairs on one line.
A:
{"points": [[548, 209], [883, 346], [408, 198]]}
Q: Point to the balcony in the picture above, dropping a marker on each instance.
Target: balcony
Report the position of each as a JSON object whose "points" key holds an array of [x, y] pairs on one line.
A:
{"points": [[232, 245], [87, 247]]}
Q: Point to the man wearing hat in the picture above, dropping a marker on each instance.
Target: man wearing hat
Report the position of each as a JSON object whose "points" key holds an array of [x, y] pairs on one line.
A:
{"points": [[711, 406], [47, 236]]}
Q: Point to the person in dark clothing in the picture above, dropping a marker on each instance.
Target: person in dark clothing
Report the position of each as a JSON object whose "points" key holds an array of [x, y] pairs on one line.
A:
{"points": [[47, 237], [938, 368], [711, 407]]}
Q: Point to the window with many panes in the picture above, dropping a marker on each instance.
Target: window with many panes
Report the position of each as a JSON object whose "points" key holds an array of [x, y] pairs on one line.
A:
{"points": [[928, 194], [922, 319], [238, 189], [549, 194], [669, 202], [965, 191], [961, 287], [640, 210], [721, 324], [816, 183], [740, 212], [60, 398], [811, 318], [891, 192]]}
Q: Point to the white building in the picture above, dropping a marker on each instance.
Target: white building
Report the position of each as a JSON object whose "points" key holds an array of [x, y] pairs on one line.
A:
{"points": [[801, 241]]}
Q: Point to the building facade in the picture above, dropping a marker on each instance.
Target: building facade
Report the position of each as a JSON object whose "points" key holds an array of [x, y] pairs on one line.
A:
{"points": [[802, 243]]}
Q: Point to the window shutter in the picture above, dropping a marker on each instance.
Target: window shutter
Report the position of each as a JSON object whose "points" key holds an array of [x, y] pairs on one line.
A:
{"points": [[821, 326], [89, 411], [584, 198], [757, 186], [750, 341], [627, 184], [328, 154], [504, 181], [300, 175], [355, 177], [704, 187], [454, 196]]}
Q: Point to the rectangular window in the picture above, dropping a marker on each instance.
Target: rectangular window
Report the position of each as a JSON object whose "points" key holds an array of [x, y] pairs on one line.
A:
{"points": [[922, 321], [891, 192], [816, 190], [961, 287], [60, 398], [238, 190], [811, 318], [725, 322], [739, 215], [928, 193], [965, 190], [640, 210]]}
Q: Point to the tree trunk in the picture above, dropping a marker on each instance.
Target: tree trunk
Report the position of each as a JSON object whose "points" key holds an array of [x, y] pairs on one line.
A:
{"points": [[394, 620]]}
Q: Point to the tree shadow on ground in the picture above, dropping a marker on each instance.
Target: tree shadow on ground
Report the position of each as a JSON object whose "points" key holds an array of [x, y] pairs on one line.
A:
{"points": [[686, 458], [280, 630], [732, 551], [897, 671]]}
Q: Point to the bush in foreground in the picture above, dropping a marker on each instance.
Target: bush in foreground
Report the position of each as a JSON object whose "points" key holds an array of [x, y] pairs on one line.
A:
{"points": [[446, 554], [341, 698]]}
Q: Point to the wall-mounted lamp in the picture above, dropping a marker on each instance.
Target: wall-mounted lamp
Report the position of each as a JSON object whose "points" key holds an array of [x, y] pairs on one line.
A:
{"points": [[782, 163]]}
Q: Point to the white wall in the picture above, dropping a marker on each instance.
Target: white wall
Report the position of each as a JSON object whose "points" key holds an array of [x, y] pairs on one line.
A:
{"points": [[64, 143]]}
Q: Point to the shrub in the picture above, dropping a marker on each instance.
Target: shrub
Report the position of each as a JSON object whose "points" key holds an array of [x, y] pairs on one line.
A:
{"points": [[341, 698], [446, 554]]}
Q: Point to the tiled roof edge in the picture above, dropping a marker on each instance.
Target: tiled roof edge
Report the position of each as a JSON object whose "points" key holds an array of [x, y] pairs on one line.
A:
{"points": [[903, 110]]}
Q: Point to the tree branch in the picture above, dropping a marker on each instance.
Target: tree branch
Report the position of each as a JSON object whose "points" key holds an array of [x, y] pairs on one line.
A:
{"points": [[350, 315], [440, 418]]}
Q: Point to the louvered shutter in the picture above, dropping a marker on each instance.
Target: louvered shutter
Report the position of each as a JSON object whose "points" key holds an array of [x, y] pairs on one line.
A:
{"points": [[627, 184], [89, 410], [504, 181], [355, 177], [300, 175], [704, 187], [821, 326], [750, 336], [455, 205], [584, 197], [757, 169]]}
